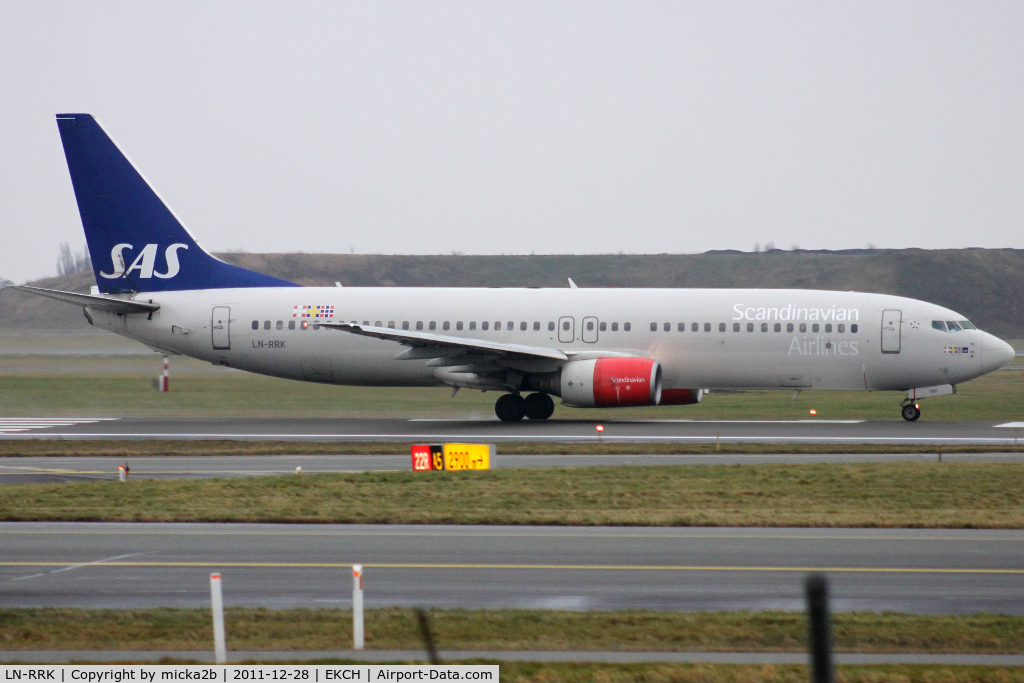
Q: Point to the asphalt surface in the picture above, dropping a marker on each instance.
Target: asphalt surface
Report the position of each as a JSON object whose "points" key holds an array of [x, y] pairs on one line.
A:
{"points": [[46, 470], [391, 429], [692, 569]]}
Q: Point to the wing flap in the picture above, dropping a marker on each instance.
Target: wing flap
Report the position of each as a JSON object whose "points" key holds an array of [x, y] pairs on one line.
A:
{"points": [[444, 342]]}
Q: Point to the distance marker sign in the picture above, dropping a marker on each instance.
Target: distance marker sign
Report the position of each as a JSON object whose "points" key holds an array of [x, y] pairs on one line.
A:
{"points": [[452, 456]]}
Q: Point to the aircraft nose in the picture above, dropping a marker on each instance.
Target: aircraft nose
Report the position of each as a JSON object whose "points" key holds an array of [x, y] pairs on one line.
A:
{"points": [[995, 353]]}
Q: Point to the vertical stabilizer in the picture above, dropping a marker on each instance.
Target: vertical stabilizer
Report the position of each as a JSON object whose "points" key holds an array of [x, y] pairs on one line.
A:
{"points": [[136, 243]]}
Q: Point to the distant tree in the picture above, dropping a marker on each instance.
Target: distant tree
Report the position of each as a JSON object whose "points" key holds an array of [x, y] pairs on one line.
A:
{"points": [[4, 282], [70, 262]]}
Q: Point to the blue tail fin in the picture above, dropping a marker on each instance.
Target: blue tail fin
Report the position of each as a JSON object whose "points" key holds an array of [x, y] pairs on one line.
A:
{"points": [[136, 243]]}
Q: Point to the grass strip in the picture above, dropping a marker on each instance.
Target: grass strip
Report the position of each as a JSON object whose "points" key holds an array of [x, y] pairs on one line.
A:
{"points": [[257, 629], [921, 495], [126, 449]]}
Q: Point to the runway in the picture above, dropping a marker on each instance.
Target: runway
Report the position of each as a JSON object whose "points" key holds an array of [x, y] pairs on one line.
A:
{"points": [[148, 565], [40, 470], [492, 430]]}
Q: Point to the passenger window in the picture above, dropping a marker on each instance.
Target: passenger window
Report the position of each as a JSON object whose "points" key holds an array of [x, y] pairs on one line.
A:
{"points": [[365, 322], [458, 325], [565, 325], [279, 325], [615, 327], [419, 324], [472, 325], [405, 324], [778, 327], [694, 327], [551, 326], [590, 326], [764, 327], [484, 325], [815, 327], [853, 328], [681, 327], [707, 327], [602, 327], [953, 327], [377, 323], [654, 327], [750, 327], [497, 326], [626, 327], [433, 325], [803, 327], [840, 328], [266, 324], [391, 324], [305, 324], [510, 326], [967, 325], [735, 327], [522, 326], [316, 327], [256, 324], [291, 324], [667, 327], [789, 327], [828, 328], [536, 326]]}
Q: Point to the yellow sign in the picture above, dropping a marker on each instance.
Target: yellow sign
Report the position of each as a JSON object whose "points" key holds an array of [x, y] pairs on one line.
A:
{"points": [[468, 456]]}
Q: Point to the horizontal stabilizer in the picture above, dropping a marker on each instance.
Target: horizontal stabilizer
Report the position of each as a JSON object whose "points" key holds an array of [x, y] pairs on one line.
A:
{"points": [[99, 303]]}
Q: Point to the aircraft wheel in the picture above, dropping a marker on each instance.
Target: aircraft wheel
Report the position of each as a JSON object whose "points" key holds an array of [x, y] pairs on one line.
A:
{"points": [[538, 406], [509, 408], [911, 412]]}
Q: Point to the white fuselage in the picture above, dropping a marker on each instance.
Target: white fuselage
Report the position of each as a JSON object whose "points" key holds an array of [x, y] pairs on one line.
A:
{"points": [[809, 342]]}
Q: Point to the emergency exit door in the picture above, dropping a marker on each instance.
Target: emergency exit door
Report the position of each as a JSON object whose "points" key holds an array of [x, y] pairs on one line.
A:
{"points": [[220, 326], [892, 323], [566, 329], [590, 330]]}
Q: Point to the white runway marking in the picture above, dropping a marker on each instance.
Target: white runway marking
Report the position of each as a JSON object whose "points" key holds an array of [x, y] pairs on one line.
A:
{"points": [[9, 425], [1012, 425]]}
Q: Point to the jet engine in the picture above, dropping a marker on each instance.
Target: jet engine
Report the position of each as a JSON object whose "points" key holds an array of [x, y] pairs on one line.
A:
{"points": [[681, 397], [615, 382]]}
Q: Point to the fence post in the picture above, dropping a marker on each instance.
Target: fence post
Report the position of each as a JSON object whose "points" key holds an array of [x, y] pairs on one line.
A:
{"points": [[217, 602], [357, 607], [819, 628]]}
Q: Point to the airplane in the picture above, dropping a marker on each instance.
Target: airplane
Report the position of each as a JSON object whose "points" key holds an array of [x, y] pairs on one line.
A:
{"points": [[590, 347]]}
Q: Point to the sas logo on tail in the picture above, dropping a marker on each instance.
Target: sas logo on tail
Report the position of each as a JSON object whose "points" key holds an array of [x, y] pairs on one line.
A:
{"points": [[145, 262]]}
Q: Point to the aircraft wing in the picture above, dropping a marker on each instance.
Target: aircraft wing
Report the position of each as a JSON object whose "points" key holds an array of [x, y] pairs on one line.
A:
{"points": [[102, 303], [428, 345]]}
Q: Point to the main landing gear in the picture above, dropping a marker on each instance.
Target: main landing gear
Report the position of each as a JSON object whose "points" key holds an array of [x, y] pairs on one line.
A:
{"points": [[911, 411], [513, 407]]}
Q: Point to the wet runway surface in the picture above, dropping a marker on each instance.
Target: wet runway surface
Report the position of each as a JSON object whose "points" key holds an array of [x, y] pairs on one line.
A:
{"points": [[148, 565], [575, 431]]}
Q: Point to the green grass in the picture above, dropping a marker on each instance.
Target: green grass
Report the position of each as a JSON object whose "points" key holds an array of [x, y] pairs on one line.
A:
{"points": [[259, 629], [937, 495]]}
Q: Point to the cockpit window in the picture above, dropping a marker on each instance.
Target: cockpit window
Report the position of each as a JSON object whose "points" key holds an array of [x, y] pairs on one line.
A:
{"points": [[939, 325], [967, 325], [953, 327]]}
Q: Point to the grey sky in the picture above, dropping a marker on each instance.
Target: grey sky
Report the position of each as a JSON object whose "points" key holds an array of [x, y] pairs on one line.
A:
{"points": [[553, 127]]}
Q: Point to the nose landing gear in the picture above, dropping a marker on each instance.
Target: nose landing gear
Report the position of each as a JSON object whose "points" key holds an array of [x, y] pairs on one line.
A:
{"points": [[911, 411], [513, 407]]}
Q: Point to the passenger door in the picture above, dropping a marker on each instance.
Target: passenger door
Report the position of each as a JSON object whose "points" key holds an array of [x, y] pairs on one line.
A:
{"points": [[220, 326], [892, 323], [566, 329], [590, 329]]}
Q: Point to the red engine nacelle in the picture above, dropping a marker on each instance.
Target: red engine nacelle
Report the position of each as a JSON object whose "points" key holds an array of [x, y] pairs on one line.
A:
{"points": [[615, 382]]}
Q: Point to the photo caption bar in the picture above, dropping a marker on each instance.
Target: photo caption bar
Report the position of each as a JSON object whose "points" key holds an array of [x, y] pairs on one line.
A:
{"points": [[230, 673]]}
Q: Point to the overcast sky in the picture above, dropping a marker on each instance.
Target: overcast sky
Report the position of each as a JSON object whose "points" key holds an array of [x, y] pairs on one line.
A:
{"points": [[518, 127]]}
